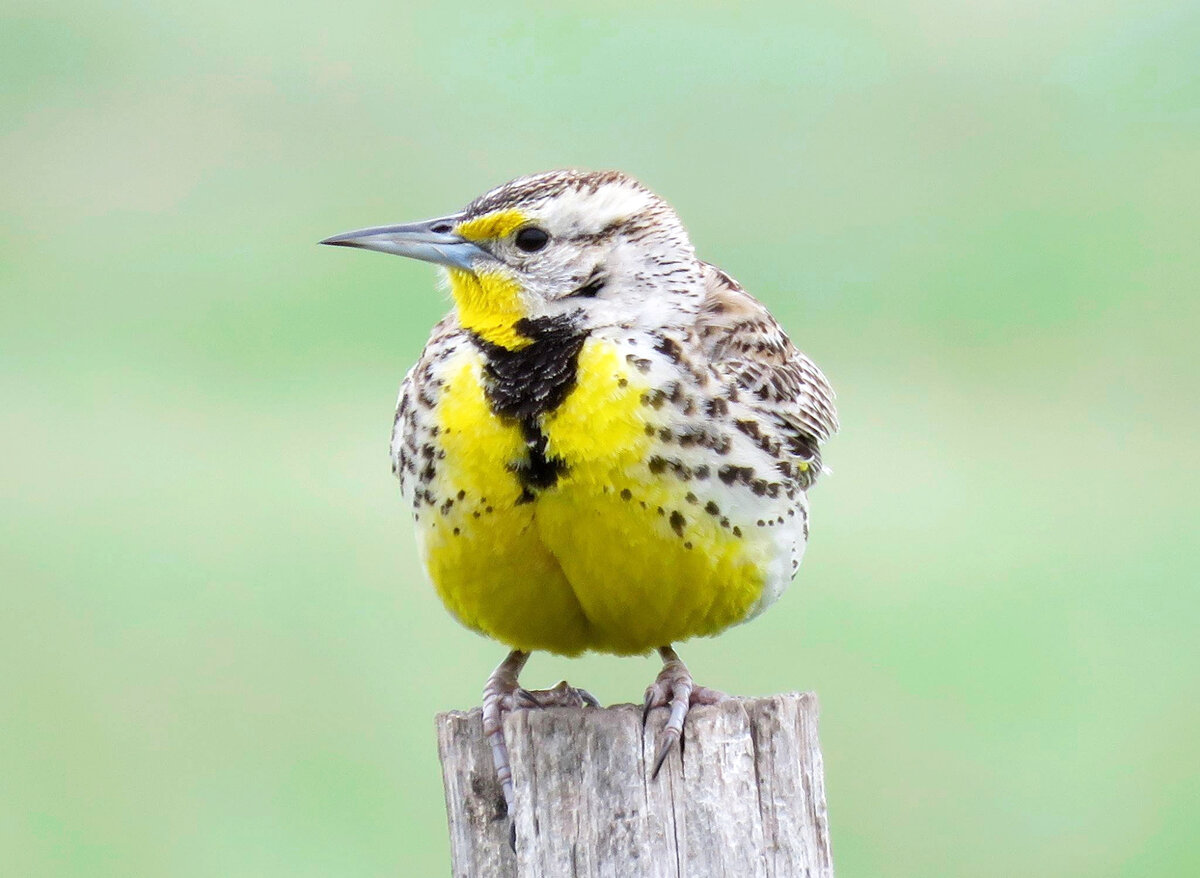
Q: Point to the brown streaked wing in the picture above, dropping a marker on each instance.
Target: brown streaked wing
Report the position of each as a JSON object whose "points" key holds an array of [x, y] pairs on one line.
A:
{"points": [[745, 343]]}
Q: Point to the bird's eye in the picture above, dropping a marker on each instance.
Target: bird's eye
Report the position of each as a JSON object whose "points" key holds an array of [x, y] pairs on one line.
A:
{"points": [[531, 239]]}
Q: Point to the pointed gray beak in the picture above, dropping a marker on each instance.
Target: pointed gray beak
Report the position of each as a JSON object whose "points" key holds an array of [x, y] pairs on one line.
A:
{"points": [[430, 241]]}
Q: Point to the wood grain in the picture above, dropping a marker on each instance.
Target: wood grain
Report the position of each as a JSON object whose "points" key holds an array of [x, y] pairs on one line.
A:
{"points": [[746, 798]]}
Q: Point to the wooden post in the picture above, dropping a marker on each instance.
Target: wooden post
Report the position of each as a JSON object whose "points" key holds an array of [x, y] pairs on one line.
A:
{"points": [[747, 798]]}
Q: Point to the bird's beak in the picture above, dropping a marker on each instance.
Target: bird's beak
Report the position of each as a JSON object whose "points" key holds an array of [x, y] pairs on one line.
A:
{"points": [[431, 241]]}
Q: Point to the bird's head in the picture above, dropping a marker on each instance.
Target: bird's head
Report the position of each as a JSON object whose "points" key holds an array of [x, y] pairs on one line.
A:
{"points": [[597, 247]]}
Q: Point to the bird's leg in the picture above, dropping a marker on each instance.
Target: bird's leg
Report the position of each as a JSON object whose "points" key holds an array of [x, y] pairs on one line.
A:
{"points": [[502, 694], [674, 688]]}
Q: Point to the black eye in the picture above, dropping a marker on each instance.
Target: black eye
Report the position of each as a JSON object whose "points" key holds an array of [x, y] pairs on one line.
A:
{"points": [[531, 239]]}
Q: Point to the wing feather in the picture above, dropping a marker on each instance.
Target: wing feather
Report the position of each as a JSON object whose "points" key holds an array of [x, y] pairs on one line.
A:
{"points": [[748, 347]]}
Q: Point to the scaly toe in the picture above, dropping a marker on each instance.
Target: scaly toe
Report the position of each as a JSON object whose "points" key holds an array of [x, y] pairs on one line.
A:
{"points": [[563, 695], [674, 688], [658, 694]]}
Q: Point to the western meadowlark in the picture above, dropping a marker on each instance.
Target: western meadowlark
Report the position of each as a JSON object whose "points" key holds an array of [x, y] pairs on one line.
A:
{"points": [[607, 443]]}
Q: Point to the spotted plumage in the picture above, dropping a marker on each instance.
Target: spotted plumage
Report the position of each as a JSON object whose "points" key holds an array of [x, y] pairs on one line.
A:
{"points": [[607, 444]]}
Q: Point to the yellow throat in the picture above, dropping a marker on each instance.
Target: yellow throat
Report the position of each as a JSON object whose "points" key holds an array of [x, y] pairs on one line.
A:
{"points": [[491, 302], [489, 305]]}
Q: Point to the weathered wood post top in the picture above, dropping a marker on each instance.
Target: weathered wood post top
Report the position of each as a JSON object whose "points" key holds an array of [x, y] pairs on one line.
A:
{"points": [[747, 797]]}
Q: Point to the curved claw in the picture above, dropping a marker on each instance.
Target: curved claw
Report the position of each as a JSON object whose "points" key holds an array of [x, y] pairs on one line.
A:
{"points": [[525, 698], [675, 688]]}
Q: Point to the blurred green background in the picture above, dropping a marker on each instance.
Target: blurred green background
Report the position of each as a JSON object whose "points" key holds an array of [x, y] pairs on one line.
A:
{"points": [[220, 656]]}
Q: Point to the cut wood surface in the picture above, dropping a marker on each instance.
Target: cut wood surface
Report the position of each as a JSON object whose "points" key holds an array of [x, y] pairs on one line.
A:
{"points": [[746, 799]]}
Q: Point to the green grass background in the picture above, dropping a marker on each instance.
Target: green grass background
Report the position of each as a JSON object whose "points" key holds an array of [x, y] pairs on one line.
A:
{"points": [[219, 655]]}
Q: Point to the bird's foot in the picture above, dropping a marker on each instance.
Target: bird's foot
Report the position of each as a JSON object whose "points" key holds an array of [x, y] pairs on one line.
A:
{"points": [[674, 688], [502, 694], [562, 695]]}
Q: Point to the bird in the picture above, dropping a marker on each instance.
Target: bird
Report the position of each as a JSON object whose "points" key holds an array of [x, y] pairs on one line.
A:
{"points": [[607, 444]]}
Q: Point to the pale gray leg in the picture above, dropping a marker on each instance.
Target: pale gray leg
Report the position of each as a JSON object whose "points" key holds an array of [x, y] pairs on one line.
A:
{"points": [[674, 688]]}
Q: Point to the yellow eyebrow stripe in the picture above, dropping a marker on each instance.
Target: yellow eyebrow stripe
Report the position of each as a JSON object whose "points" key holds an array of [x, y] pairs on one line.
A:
{"points": [[491, 225]]}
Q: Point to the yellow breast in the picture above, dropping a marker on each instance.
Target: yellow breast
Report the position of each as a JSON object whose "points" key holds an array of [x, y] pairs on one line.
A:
{"points": [[614, 556]]}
